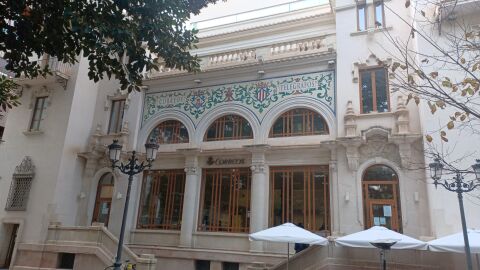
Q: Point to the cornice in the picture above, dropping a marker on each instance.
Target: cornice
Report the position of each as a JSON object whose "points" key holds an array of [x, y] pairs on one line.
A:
{"points": [[271, 65], [269, 28]]}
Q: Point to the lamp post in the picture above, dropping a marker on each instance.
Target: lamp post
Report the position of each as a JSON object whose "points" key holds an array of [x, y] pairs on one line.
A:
{"points": [[131, 168], [459, 186]]}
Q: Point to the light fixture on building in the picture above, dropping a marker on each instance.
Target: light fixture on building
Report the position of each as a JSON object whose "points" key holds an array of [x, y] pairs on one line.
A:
{"points": [[114, 151]]}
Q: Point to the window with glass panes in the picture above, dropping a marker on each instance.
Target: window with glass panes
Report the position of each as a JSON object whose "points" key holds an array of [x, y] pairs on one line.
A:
{"points": [[361, 16], [300, 194], [116, 116], [374, 94], [229, 127], [379, 14], [161, 201], [225, 200], [169, 132], [38, 113], [299, 122]]}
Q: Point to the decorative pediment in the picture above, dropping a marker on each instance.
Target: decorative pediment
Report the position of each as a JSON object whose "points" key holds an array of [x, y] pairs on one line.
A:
{"points": [[26, 167], [41, 92], [371, 61], [119, 94]]}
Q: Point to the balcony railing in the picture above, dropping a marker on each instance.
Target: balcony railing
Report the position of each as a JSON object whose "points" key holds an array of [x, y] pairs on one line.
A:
{"points": [[291, 49], [57, 68]]}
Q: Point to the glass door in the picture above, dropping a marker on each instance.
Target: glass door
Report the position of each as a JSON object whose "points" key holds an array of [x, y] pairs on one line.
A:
{"points": [[382, 213]]}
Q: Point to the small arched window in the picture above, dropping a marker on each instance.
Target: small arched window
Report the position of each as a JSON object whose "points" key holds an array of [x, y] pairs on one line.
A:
{"points": [[169, 132], [229, 127], [299, 122], [103, 201]]}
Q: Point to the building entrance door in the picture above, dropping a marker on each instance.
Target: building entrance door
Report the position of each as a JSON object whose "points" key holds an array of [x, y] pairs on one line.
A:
{"points": [[382, 213], [11, 245], [381, 198]]}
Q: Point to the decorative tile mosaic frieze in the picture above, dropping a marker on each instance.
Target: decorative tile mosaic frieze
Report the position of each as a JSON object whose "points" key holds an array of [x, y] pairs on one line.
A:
{"points": [[257, 96]]}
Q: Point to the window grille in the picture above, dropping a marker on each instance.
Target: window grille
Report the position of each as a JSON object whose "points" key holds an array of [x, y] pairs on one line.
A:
{"points": [[20, 186]]}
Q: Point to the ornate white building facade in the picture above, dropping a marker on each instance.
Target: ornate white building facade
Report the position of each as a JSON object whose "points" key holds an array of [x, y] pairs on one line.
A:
{"points": [[290, 120]]}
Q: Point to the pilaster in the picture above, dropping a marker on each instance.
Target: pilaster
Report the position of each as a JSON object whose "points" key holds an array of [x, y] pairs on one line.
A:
{"points": [[259, 189], [191, 196]]}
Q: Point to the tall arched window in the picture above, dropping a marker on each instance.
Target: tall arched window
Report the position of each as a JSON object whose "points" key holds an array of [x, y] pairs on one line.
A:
{"points": [[299, 122], [381, 199], [169, 132], [103, 200], [229, 127]]}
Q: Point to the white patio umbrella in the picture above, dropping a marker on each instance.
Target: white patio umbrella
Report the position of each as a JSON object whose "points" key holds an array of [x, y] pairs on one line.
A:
{"points": [[288, 233], [455, 243], [364, 238], [382, 238]]}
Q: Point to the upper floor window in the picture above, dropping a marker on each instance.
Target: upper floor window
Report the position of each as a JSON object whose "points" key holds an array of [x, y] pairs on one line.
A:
{"points": [[38, 113], [374, 90], [169, 132], [299, 122], [379, 14], [229, 127], [361, 16], [116, 116]]}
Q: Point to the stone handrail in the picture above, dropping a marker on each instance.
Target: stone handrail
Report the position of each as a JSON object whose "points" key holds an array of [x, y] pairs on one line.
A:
{"points": [[234, 57], [299, 47], [322, 44], [99, 236]]}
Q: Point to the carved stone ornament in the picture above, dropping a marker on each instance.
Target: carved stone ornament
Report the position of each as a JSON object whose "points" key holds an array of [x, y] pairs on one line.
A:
{"points": [[371, 61], [191, 170], [26, 167], [258, 168], [41, 92], [119, 94]]}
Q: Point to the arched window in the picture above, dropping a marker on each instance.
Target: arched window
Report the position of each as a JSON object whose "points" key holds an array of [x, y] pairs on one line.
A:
{"points": [[103, 200], [299, 122], [381, 199], [169, 132], [229, 127]]}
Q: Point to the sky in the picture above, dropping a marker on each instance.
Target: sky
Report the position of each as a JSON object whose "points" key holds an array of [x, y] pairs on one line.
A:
{"points": [[230, 7]]}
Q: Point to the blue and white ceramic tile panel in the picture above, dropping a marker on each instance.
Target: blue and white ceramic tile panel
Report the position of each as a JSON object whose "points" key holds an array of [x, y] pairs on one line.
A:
{"points": [[257, 96]]}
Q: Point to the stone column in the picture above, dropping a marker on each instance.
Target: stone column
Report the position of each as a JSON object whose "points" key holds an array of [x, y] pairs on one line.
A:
{"points": [[259, 194], [190, 197]]}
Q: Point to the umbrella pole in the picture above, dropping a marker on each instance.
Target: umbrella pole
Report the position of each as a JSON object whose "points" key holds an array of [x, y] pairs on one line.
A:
{"points": [[288, 254]]}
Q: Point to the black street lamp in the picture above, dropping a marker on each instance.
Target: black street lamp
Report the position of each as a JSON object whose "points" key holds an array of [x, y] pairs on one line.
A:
{"points": [[459, 186], [131, 168]]}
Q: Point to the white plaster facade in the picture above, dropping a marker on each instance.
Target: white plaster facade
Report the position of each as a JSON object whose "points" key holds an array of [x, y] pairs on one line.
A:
{"points": [[69, 150]]}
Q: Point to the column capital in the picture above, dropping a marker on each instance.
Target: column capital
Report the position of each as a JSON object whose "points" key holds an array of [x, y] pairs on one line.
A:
{"points": [[258, 168], [192, 170]]}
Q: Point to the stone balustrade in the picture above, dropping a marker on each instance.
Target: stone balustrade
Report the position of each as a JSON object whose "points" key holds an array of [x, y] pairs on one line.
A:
{"points": [[323, 44], [234, 57]]}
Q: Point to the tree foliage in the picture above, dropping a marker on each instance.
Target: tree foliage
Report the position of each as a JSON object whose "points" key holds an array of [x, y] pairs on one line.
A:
{"points": [[120, 38], [447, 74]]}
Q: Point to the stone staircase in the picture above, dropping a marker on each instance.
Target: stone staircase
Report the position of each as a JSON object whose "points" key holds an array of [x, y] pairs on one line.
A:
{"points": [[94, 248]]}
